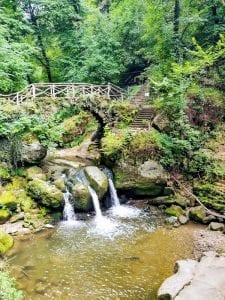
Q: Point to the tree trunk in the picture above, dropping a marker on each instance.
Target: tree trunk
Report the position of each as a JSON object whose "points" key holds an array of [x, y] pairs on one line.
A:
{"points": [[176, 28], [46, 61]]}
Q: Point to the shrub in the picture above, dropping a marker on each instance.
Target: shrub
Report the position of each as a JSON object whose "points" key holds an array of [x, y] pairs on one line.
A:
{"points": [[7, 288]]}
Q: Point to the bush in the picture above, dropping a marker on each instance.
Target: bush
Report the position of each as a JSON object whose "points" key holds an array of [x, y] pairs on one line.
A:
{"points": [[7, 288]]}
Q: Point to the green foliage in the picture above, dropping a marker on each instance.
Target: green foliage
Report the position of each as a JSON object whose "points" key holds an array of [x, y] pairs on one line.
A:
{"points": [[114, 143], [7, 288]]}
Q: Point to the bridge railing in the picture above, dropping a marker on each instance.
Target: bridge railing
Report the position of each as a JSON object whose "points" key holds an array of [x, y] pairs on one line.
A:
{"points": [[66, 90]]}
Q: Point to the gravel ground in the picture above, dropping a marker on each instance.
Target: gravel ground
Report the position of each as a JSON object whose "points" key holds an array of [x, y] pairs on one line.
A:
{"points": [[206, 240]]}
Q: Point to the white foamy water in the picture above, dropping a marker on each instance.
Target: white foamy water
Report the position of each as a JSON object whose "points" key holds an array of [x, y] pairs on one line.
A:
{"points": [[68, 211]]}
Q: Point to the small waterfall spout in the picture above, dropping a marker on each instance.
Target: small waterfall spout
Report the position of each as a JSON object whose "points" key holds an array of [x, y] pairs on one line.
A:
{"points": [[96, 203], [113, 194], [68, 212]]}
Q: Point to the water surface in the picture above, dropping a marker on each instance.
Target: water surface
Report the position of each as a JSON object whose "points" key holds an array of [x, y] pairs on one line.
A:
{"points": [[125, 255]]}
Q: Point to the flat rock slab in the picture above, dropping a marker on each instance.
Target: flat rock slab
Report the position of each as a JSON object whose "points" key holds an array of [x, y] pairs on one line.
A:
{"points": [[196, 280]]}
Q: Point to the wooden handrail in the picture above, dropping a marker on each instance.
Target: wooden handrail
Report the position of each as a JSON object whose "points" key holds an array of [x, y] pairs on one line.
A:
{"points": [[68, 90]]}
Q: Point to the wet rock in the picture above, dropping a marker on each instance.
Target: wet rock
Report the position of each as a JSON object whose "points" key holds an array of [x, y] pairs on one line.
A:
{"points": [[97, 180], [4, 215], [168, 200], [196, 280], [171, 220], [175, 211], [82, 197], [17, 217], [197, 213], [214, 226], [6, 242], [45, 193], [49, 226], [183, 220], [208, 219], [32, 151]]}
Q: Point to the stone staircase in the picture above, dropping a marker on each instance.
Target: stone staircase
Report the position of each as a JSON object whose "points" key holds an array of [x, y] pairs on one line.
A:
{"points": [[145, 114]]}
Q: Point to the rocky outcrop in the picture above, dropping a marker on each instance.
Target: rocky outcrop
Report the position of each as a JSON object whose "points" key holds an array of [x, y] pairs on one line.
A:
{"points": [[175, 211], [197, 214], [196, 280], [45, 192], [97, 180], [82, 197], [147, 179], [31, 150]]}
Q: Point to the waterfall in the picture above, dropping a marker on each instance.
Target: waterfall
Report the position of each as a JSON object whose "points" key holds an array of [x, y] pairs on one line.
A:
{"points": [[68, 212], [96, 203], [113, 193]]}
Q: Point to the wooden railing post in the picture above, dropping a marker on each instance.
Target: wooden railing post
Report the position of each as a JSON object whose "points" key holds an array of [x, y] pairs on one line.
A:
{"points": [[91, 88], [33, 91], [109, 90], [17, 99]]}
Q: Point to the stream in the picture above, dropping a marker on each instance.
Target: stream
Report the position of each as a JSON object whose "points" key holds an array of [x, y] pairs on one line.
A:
{"points": [[122, 255]]}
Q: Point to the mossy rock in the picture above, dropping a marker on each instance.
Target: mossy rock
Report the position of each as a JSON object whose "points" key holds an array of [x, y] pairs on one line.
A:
{"points": [[82, 197], [6, 242], [175, 211], [4, 172], [212, 195], [60, 184], [4, 215], [46, 193], [97, 180], [32, 151], [75, 126], [147, 179], [9, 199], [35, 173], [197, 214]]}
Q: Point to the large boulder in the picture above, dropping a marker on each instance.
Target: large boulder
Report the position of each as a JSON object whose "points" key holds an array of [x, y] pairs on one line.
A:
{"points": [[82, 197], [197, 214], [175, 211], [97, 180], [6, 242], [46, 193], [196, 280], [149, 179], [32, 151]]}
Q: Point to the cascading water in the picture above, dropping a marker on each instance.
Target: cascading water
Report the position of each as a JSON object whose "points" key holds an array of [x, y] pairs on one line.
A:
{"points": [[68, 212], [113, 193], [96, 203]]}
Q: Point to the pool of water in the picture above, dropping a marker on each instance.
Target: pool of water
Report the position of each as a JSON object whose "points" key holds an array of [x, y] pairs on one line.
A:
{"points": [[124, 255]]}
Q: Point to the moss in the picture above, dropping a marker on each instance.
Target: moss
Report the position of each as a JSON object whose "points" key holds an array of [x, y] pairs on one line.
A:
{"points": [[35, 172], [212, 195], [82, 197], [197, 213], [45, 193], [175, 211], [75, 126], [6, 242], [4, 172], [29, 138], [4, 215], [8, 199]]}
